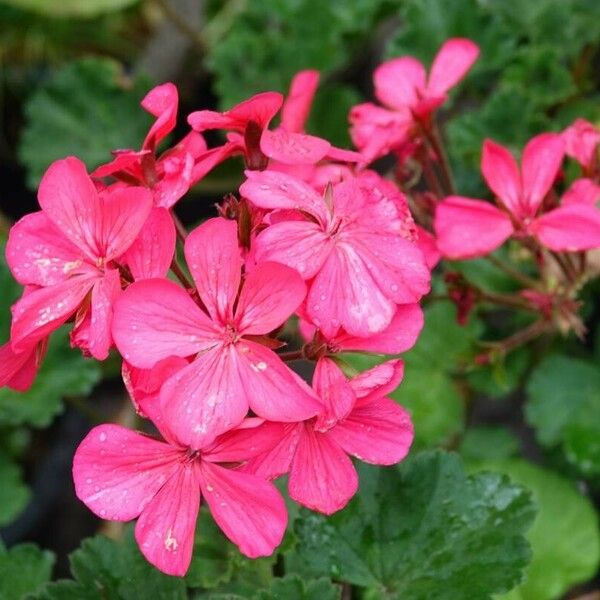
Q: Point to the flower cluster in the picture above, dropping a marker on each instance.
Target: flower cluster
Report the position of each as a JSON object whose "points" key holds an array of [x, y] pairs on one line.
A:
{"points": [[311, 235], [316, 239]]}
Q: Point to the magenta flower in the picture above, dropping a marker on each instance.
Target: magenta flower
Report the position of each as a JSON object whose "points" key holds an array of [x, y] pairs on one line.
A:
{"points": [[581, 143], [409, 95], [231, 370], [399, 336], [68, 251], [288, 144], [122, 475], [18, 371], [356, 418], [348, 246], [171, 174], [467, 228]]}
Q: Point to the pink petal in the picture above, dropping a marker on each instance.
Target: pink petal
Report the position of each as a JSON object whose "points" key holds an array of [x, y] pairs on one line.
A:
{"points": [[335, 393], [344, 294], [93, 334], [123, 212], [206, 398], [252, 438], [192, 143], [297, 103], [207, 161], [322, 476], [501, 172], [582, 191], [124, 160], [261, 108], [155, 319], [117, 471], [249, 510], [301, 245], [570, 228], [378, 381], [276, 190], [151, 253], [205, 120], [271, 293], [143, 386], [42, 311], [581, 142], [399, 83], [177, 171], [428, 246], [378, 432], [396, 265], [450, 65], [162, 102], [399, 336], [278, 460], [466, 228], [293, 148], [38, 253], [213, 255], [273, 390], [69, 198], [17, 371], [376, 131], [166, 527], [542, 158]]}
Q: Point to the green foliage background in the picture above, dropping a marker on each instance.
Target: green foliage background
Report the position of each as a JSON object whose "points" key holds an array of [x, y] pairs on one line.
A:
{"points": [[469, 515]]}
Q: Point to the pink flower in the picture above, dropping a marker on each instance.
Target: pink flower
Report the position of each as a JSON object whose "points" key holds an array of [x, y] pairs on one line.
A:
{"points": [[467, 228], [247, 121], [18, 371], [287, 145], [348, 244], [172, 174], [122, 475], [231, 371], [356, 419], [399, 336], [581, 143], [409, 95], [68, 251]]}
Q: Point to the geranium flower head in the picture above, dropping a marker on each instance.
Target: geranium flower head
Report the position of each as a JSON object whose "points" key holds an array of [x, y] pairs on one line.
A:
{"points": [[349, 247], [355, 419], [122, 475], [467, 227], [67, 251], [230, 371], [409, 95]]}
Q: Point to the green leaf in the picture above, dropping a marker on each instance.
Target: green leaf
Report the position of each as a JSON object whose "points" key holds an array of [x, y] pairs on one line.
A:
{"points": [[482, 443], [423, 530], [87, 108], [70, 8], [564, 537], [23, 570], [503, 375], [293, 587], [10, 293], [13, 492], [107, 570], [564, 409], [64, 372], [271, 40]]}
